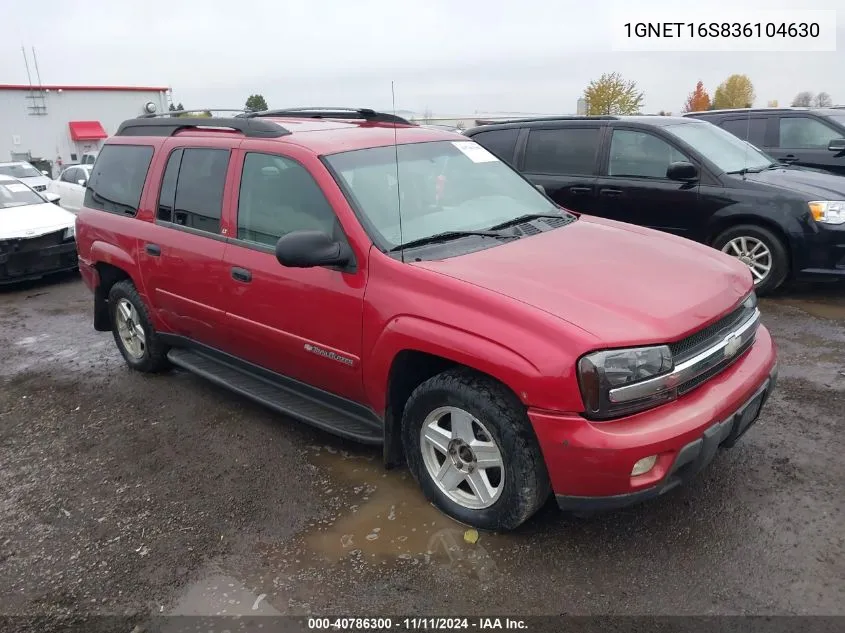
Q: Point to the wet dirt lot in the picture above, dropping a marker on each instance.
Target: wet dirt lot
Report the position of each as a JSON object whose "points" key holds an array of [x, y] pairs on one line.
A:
{"points": [[122, 493]]}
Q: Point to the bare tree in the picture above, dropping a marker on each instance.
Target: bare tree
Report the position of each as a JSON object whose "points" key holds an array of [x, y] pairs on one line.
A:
{"points": [[823, 100], [803, 99]]}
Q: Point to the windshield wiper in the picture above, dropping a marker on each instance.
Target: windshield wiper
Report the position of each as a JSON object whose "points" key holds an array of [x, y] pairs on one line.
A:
{"points": [[450, 235], [756, 170], [525, 218]]}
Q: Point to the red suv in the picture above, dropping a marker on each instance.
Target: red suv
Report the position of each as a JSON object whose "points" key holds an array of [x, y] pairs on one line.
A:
{"points": [[401, 286]]}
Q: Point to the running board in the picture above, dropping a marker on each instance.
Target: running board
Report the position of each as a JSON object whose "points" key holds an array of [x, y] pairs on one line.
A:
{"points": [[280, 398]]}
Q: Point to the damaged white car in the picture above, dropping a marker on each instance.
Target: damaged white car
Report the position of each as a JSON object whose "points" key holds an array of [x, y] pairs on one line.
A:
{"points": [[37, 237]]}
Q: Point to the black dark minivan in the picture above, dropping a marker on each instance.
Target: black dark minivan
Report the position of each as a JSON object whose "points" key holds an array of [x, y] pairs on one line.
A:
{"points": [[686, 177], [798, 136]]}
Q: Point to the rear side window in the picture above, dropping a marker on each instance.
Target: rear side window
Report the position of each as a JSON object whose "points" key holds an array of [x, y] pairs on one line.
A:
{"points": [[751, 130], [192, 188], [569, 151], [499, 142], [118, 179], [168, 187]]}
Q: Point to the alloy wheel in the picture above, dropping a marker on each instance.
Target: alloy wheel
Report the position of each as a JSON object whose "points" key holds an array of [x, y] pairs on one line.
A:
{"points": [[129, 329], [462, 458], [753, 253]]}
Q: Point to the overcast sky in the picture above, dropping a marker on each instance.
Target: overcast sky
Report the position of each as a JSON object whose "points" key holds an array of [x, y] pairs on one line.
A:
{"points": [[451, 56]]}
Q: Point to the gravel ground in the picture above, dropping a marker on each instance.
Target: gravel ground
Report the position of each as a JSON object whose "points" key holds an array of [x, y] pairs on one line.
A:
{"points": [[130, 495]]}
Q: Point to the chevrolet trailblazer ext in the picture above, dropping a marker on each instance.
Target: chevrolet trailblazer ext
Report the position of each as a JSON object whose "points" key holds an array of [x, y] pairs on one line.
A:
{"points": [[501, 346]]}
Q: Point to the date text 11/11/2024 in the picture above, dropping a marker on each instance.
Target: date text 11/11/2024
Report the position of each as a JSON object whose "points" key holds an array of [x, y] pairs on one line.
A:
{"points": [[416, 624], [721, 29]]}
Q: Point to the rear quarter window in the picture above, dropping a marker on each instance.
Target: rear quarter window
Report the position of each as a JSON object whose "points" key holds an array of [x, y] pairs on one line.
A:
{"points": [[117, 179], [499, 142]]}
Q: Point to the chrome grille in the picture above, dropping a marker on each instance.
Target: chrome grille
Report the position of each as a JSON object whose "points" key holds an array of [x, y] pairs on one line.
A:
{"points": [[707, 337], [718, 353], [699, 380]]}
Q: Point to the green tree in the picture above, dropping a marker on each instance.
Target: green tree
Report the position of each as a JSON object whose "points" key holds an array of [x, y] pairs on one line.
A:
{"points": [[611, 94], [736, 91], [172, 107], [256, 103]]}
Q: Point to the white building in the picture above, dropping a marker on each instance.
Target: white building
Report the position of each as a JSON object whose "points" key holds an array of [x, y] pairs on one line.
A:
{"points": [[52, 125]]}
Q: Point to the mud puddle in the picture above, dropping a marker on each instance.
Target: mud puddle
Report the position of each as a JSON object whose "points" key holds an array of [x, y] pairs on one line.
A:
{"points": [[386, 518], [378, 528]]}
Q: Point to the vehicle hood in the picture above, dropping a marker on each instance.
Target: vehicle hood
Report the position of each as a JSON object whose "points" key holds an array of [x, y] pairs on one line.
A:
{"points": [[32, 181], [814, 185], [33, 220], [625, 284]]}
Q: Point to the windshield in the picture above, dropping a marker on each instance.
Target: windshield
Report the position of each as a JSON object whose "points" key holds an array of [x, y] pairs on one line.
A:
{"points": [[728, 152], [20, 171], [16, 194], [443, 186]]}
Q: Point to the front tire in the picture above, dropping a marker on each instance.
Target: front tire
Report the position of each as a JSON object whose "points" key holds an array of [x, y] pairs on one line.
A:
{"points": [[761, 250], [470, 446], [133, 333]]}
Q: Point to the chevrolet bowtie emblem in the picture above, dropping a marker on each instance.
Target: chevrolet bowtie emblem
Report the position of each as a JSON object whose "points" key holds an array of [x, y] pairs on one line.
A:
{"points": [[732, 345]]}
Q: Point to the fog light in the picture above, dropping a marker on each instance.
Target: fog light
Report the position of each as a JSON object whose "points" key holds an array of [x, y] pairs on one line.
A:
{"points": [[644, 465]]}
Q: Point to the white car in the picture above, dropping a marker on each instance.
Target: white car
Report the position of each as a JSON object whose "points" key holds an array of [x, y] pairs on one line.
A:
{"points": [[26, 173], [37, 236], [70, 186], [89, 158]]}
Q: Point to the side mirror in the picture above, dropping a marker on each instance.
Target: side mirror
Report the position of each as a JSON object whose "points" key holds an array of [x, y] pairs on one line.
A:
{"points": [[541, 189], [837, 145], [308, 249], [682, 171], [81, 182], [49, 196], [45, 172]]}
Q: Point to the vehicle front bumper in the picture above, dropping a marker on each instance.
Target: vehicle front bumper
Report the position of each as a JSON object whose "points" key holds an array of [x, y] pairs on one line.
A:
{"points": [[590, 463], [22, 261], [822, 255]]}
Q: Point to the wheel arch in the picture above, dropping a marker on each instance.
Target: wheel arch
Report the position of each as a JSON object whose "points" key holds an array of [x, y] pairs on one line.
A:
{"points": [[108, 275], [722, 224], [113, 264], [401, 362]]}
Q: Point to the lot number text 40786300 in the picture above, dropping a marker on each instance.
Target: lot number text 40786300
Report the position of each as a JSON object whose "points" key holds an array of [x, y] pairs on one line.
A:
{"points": [[416, 624]]}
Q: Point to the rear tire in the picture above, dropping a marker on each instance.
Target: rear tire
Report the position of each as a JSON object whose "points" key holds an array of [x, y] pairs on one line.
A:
{"points": [[477, 423], [761, 250], [133, 332]]}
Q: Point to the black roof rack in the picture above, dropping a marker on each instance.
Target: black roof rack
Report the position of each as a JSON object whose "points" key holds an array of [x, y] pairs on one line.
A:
{"points": [[320, 112], [194, 111], [168, 126], [566, 117]]}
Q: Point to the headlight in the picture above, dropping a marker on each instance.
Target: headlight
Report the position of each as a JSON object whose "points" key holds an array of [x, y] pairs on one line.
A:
{"points": [[828, 211], [70, 233], [600, 372]]}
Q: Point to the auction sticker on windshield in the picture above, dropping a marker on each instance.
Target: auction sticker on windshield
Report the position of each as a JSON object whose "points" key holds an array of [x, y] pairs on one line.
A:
{"points": [[16, 188], [475, 152]]}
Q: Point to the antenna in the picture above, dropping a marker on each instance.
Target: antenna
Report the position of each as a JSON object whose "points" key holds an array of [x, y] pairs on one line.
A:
{"points": [[398, 190]]}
